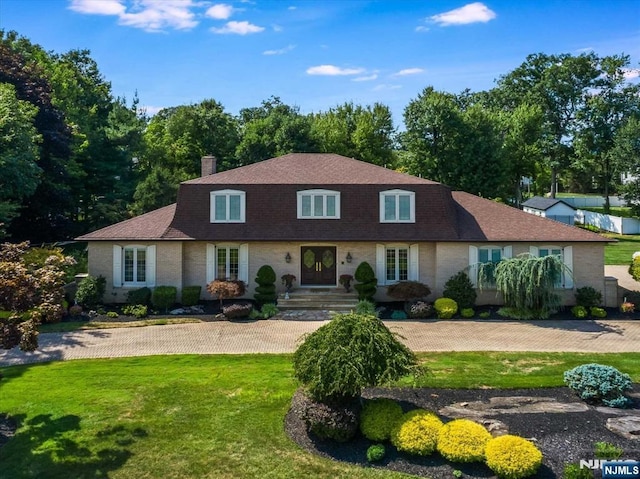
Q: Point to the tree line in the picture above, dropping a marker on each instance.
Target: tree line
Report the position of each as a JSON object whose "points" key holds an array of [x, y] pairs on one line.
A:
{"points": [[74, 158]]}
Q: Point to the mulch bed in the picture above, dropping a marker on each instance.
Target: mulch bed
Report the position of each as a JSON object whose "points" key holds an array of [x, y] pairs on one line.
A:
{"points": [[562, 437]]}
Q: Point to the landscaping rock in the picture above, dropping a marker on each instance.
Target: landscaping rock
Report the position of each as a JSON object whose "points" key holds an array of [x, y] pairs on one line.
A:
{"points": [[511, 405], [197, 309], [625, 426]]}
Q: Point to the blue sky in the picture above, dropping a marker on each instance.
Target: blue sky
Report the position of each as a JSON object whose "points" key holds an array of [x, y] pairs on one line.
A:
{"points": [[317, 54]]}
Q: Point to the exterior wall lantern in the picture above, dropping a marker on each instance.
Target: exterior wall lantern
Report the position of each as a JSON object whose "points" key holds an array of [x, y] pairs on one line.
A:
{"points": [[287, 258], [349, 257]]}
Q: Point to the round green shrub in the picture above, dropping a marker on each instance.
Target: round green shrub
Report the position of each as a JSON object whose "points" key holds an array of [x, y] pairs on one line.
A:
{"points": [[574, 471], [599, 383], [417, 432], [397, 314], [460, 288], [463, 440], [378, 417], [445, 308], [588, 297], [512, 457], [467, 313], [112, 314], [376, 453], [191, 295], [163, 297], [139, 296], [366, 307], [579, 312], [367, 282], [90, 291], [597, 312], [266, 289], [349, 353]]}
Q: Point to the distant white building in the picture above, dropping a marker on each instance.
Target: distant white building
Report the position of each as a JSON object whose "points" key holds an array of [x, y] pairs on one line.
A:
{"points": [[627, 178], [552, 208]]}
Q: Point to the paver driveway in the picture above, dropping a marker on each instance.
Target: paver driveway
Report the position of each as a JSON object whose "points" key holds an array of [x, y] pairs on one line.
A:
{"points": [[282, 336]]}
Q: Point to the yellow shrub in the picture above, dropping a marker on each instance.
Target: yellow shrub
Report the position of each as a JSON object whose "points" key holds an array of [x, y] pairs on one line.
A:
{"points": [[463, 440], [417, 432], [512, 457], [378, 418]]}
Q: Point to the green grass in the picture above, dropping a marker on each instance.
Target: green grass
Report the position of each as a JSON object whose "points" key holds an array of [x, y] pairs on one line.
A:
{"points": [[622, 211], [207, 416], [620, 253], [79, 325]]}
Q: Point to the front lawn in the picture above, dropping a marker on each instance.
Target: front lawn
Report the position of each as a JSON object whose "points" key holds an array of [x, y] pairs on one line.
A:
{"points": [[207, 416], [621, 252]]}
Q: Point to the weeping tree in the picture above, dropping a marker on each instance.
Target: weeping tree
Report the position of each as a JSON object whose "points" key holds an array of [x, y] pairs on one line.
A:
{"points": [[527, 283]]}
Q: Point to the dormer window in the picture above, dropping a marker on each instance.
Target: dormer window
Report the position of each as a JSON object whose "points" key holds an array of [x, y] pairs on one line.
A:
{"points": [[228, 206], [319, 204], [397, 206]]}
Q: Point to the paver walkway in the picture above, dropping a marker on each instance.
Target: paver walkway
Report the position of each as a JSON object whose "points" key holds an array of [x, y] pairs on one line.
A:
{"points": [[282, 336]]}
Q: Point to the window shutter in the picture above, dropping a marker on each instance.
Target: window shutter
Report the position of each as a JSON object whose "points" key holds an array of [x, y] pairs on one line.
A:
{"points": [[211, 265], [473, 265], [533, 251], [507, 252], [380, 264], [243, 263], [567, 257], [150, 266], [117, 266], [414, 269]]}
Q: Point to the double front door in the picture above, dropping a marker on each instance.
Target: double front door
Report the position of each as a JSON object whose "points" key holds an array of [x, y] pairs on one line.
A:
{"points": [[318, 265]]}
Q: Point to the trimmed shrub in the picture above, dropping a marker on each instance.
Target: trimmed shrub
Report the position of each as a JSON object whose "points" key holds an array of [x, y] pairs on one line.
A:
{"points": [[463, 440], [397, 314], [376, 453], [349, 353], [445, 308], [367, 281], [138, 310], [460, 288], [419, 310], [588, 297], [90, 291], [408, 290], [378, 417], [366, 307], [574, 471], [266, 289], [608, 451], [598, 383], [191, 295], [512, 457], [417, 432], [139, 296], [268, 310], [485, 315], [634, 268], [338, 422], [579, 312], [237, 310], [112, 315], [598, 312], [226, 289], [163, 297], [467, 313]]}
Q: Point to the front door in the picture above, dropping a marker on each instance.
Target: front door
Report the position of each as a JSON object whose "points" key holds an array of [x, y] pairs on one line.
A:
{"points": [[318, 265]]}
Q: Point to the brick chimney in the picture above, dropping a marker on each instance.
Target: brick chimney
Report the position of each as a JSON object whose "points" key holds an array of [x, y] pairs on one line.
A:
{"points": [[208, 165]]}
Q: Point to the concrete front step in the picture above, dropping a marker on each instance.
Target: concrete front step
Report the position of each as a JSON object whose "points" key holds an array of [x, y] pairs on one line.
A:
{"points": [[321, 299]]}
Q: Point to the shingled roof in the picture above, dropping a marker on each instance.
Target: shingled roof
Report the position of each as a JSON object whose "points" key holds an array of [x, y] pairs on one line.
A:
{"points": [[543, 204], [441, 215]]}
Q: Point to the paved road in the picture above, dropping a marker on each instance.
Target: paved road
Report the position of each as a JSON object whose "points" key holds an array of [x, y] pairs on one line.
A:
{"points": [[282, 336]]}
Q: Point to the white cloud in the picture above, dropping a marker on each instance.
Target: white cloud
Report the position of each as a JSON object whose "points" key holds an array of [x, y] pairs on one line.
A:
{"points": [[422, 28], [292, 8], [220, 11], [385, 86], [366, 78], [470, 13], [280, 51], [151, 110], [631, 73], [276, 28], [238, 28], [332, 70], [408, 71], [98, 7], [150, 15]]}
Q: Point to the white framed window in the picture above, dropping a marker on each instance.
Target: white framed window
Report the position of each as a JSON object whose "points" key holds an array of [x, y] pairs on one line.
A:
{"points": [[565, 253], [228, 206], [227, 261], [134, 266], [397, 262], [318, 204], [492, 254], [397, 206]]}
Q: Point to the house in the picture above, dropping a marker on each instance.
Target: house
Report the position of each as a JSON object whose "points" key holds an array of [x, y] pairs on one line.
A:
{"points": [[318, 216], [552, 208]]}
